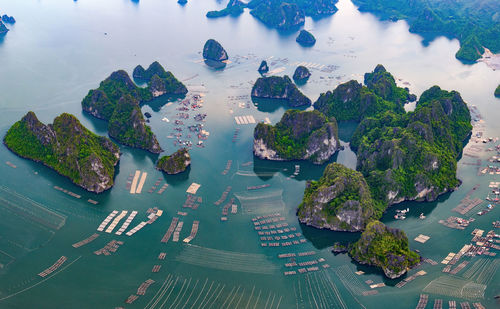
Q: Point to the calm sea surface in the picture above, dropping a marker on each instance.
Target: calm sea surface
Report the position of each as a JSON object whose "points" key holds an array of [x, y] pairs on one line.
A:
{"points": [[58, 50]]}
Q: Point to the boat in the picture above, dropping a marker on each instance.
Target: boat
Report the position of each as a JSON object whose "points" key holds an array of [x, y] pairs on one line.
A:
{"points": [[422, 216]]}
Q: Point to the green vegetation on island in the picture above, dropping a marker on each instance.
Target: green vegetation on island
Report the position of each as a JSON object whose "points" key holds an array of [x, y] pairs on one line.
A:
{"points": [[475, 23], [299, 135], [497, 92], [3, 29], [276, 87], [301, 74], [213, 50], [125, 120], [413, 156], [353, 101], [386, 248], [305, 38], [176, 163], [233, 8], [66, 146], [127, 125], [340, 200], [279, 14]]}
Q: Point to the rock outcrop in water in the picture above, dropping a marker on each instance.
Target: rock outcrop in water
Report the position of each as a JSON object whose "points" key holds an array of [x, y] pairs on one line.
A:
{"points": [[289, 14], [305, 38], [413, 156], [275, 87], [353, 101], [263, 68], [176, 163], [3, 29], [299, 135], [301, 74], [214, 51], [340, 201], [67, 147], [497, 92], [103, 101], [386, 248], [8, 19], [160, 82], [233, 8]]}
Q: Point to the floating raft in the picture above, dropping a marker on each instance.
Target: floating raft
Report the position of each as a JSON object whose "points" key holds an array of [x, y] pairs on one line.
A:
{"points": [[228, 167], [91, 201], [193, 188], [467, 205], [422, 302], [406, 280], [10, 164], [132, 298], [177, 231], [134, 182], [258, 187], [422, 238], [117, 219], [162, 256], [170, 230], [54, 267], [126, 223], [156, 268], [136, 228], [141, 183], [194, 231], [111, 247], [144, 286], [163, 188], [85, 241], [67, 192], [249, 119], [223, 196], [106, 221]]}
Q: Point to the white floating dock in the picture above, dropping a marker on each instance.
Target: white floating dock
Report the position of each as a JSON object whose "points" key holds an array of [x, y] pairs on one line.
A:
{"points": [[141, 183], [106, 221], [193, 188], [113, 224], [126, 223], [134, 182]]}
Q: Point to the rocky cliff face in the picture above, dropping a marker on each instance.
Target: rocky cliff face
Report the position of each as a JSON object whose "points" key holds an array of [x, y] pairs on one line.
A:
{"points": [[279, 15], [214, 51], [275, 87], [386, 248], [176, 163], [127, 126], [340, 201], [305, 38], [263, 68], [67, 147], [298, 136], [103, 103], [301, 74], [414, 156]]}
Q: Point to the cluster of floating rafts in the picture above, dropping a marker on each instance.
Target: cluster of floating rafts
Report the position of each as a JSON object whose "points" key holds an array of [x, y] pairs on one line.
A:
{"points": [[401, 214]]}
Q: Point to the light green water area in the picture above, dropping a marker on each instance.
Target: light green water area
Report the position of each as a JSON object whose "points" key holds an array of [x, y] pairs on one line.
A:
{"points": [[58, 50]]}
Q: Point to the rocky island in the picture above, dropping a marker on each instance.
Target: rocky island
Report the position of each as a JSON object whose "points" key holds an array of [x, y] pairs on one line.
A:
{"points": [[3, 29], [160, 82], [353, 101], [340, 201], [386, 248], [305, 38], [497, 92], [233, 8], [176, 163], [118, 99], [214, 51], [301, 74], [8, 19], [290, 14], [447, 18], [282, 88], [67, 147], [413, 156], [299, 135], [263, 68]]}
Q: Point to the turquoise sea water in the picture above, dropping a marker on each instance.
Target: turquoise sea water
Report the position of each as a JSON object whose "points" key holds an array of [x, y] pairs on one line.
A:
{"points": [[58, 50]]}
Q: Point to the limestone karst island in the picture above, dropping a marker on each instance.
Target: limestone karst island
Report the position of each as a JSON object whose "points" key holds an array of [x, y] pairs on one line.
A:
{"points": [[264, 154]]}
